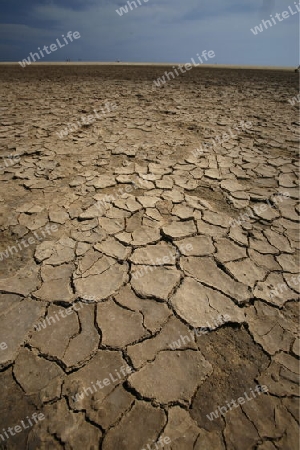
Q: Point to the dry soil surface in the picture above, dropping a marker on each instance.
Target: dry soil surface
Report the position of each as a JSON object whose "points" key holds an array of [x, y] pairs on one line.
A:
{"points": [[144, 284]]}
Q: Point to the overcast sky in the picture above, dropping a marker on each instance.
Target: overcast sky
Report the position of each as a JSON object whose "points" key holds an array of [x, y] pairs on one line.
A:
{"points": [[156, 31]]}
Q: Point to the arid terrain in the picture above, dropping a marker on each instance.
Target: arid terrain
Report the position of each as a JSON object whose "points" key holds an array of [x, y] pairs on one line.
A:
{"points": [[148, 290]]}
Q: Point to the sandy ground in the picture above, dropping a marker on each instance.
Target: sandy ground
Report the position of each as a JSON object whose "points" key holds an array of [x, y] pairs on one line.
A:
{"points": [[144, 284]]}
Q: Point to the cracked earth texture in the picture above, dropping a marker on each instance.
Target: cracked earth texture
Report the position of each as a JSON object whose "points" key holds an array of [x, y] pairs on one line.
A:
{"points": [[126, 307]]}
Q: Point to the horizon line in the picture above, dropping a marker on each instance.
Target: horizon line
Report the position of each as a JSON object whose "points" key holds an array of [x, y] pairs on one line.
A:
{"points": [[149, 63]]}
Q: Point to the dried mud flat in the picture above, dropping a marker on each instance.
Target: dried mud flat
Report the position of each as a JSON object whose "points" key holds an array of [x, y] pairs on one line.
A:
{"points": [[167, 287]]}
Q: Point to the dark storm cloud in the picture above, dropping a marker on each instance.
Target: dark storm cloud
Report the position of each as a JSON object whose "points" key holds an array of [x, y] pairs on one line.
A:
{"points": [[157, 30], [198, 13], [19, 11]]}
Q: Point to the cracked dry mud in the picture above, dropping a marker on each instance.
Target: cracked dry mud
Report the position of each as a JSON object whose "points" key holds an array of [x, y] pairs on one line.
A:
{"points": [[158, 261]]}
